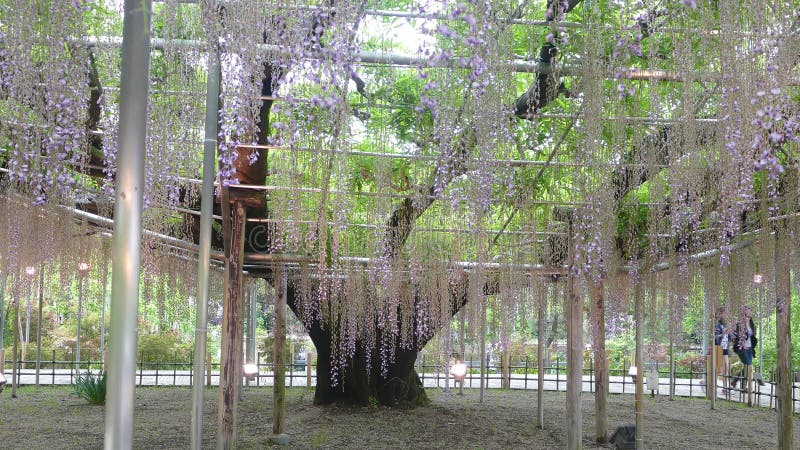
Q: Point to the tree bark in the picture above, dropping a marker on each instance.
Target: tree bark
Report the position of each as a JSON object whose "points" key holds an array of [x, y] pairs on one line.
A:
{"points": [[361, 384], [783, 337], [232, 336]]}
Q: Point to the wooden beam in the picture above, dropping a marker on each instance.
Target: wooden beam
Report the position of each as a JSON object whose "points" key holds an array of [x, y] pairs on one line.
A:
{"points": [[232, 338]]}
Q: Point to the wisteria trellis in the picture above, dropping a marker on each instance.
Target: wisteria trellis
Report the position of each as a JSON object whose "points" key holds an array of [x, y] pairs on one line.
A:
{"points": [[682, 116]]}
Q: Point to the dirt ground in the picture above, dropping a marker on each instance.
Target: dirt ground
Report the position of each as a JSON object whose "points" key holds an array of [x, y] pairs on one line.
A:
{"points": [[52, 418]]}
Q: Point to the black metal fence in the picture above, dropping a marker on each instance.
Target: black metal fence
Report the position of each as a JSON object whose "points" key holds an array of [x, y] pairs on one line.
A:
{"points": [[522, 375]]}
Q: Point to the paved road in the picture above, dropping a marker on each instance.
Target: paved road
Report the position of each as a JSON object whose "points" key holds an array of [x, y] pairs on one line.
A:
{"points": [[618, 384]]}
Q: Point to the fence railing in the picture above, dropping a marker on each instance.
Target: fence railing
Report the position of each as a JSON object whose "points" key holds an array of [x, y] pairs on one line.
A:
{"points": [[523, 375]]}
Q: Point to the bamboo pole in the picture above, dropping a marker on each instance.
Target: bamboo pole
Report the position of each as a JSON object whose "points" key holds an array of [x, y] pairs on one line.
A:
{"points": [[126, 243], [231, 361], [783, 336], [278, 386], [600, 363]]}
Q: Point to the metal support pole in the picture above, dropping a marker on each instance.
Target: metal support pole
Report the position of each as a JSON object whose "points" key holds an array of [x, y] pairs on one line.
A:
{"points": [[484, 368], [78, 334], [574, 307], [761, 329], [540, 340], [103, 319], [126, 242], [638, 311], [463, 347], [14, 355], [204, 257], [783, 304], [39, 325], [2, 311], [447, 330]]}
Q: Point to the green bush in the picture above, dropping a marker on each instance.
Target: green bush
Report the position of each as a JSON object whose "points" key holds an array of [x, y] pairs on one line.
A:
{"points": [[91, 388], [163, 348]]}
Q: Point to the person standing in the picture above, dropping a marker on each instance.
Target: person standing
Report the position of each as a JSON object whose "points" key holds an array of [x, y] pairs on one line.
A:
{"points": [[721, 352], [744, 346]]}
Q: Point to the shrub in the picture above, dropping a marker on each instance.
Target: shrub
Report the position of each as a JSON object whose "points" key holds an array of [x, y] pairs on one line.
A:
{"points": [[91, 388]]}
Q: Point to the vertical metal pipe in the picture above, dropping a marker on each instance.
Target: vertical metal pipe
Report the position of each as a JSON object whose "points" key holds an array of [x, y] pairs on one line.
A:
{"points": [[14, 355], [638, 312], [204, 257], [103, 319], [574, 311], [78, 334], [540, 357], [463, 346], [126, 242], [39, 325], [783, 304], [2, 311], [484, 365]]}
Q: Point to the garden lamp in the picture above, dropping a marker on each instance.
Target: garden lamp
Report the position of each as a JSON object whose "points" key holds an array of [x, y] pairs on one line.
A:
{"points": [[250, 371]]}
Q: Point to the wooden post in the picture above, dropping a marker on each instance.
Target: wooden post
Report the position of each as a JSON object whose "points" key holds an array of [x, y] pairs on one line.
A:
{"points": [[540, 359], [783, 337], [278, 386], [600, 363], [638, 311], [574, 353], [506, 369], [231, 361]]}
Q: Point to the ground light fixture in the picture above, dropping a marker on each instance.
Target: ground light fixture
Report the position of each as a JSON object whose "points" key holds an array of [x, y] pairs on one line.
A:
{"points": [[632, 371], [459, 371], [30, 270], [250, 371], [83, 266], [758, 278]]}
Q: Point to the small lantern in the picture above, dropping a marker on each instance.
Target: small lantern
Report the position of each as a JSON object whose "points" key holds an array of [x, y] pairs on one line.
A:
{"points": [[459, 371], [250, 371], [632, 373]]}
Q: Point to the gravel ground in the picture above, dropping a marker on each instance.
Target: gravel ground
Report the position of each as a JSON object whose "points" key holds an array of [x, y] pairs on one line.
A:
{"points": [[52, 418]]}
